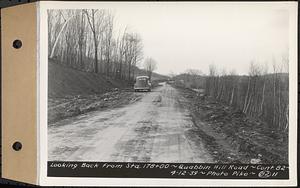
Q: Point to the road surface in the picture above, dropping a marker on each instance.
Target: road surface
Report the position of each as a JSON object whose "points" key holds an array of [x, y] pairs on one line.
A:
{"points": [[156, 128]]}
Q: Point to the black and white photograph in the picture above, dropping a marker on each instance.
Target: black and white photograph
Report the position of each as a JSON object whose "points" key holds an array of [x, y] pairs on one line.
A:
{"points": [[169, 83]]}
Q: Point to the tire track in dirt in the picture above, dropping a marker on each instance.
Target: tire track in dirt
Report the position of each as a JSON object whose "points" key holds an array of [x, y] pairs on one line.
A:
{"points": [[156, 128]]}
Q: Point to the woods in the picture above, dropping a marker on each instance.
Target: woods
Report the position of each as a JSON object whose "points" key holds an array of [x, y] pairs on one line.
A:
{"points": [[86, 40], [260, 94]]}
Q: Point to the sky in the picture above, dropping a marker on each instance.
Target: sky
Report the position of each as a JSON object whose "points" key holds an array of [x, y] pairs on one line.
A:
{"points": [[194, 35]]}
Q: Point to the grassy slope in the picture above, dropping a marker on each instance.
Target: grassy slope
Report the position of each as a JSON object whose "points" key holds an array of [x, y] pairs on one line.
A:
{"points": [[65, 81], [73, 92]]}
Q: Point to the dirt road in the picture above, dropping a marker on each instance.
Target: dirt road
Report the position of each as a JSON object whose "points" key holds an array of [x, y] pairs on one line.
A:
{"points": [[155, 129]]}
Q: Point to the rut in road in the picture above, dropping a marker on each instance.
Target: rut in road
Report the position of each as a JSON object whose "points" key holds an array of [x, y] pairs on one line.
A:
{"points": [[154, 129]]}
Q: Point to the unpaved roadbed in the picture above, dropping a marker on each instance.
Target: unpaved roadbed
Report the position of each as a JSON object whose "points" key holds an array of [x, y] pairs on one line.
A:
{"points": [[169, 124], [153, 129]]}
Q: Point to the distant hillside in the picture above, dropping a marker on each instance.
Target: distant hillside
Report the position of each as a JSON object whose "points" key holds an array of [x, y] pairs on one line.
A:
{"points": [[198, 81], [155, 76], [191, 81], [64, 81]]}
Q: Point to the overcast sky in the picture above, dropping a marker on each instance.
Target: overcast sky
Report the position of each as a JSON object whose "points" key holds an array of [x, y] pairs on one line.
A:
{"points": [[186, 36]]}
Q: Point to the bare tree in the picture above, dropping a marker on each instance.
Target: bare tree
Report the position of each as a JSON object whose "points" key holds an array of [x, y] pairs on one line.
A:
{"points": [[96, 20], [88, 43], [81, 30], [210, 83], [274, 89], [221, 84], [150, 65], [54, 28], [234, 85], [132, 50], [265, 72], [121, 53], [59, 34], [254, 72], [108, 40], [259, 94], [285, 61], [128, 52], [137, 51]]}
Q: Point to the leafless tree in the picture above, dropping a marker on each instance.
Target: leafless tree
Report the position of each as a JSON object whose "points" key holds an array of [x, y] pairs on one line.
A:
{"points": [[108, 40], [85, 40], [132, 52], [258, 94], [59, 33], [137, 51], [150, 65], [234, 82], [212, 77], [81, 31], [96, 20], [265, 72]]}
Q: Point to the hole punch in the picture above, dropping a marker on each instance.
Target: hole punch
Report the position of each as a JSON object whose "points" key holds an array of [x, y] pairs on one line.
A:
{"points": [[17, 146], [17, 44]]}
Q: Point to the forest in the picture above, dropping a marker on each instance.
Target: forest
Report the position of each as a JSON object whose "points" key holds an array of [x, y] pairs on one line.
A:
{"points": [[87, 40], [262, 94]]}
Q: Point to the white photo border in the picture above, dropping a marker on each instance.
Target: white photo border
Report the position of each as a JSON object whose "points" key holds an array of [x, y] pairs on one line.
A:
{"points": [[42, 66]]}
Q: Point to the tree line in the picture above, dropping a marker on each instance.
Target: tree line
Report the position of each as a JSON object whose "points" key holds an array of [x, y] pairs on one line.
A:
{"points": [[263, 93], [260, 94], [86, 40]]}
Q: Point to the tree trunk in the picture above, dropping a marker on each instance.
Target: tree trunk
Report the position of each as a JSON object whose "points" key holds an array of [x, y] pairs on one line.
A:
{"points": [[107, 65], [263, 98], [81, 39], [96, 55], [287, 117], [56, 40], [129, 72], [232, 94], [279, 105], [81, 57], [120, 73], [274, 99], [247, 95], [219, 96]]}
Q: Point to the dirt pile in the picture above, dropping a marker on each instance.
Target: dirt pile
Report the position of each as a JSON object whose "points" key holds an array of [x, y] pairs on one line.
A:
{"points": [[234, 137]]}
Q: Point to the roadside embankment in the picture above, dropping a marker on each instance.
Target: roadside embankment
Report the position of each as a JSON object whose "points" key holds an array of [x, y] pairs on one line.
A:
{"points": [[230, 135]]}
